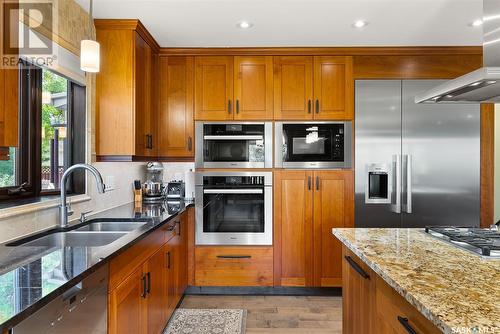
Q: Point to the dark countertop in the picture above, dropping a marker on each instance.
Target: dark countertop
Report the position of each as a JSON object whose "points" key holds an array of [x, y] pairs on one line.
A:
{"points": [[30, 277]]}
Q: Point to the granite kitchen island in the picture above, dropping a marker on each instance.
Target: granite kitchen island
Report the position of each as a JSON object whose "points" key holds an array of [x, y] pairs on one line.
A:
{"points": [[435, 286]]}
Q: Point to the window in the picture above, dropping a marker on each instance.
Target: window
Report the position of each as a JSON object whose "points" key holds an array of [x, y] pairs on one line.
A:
{"points": [[51, 136]]}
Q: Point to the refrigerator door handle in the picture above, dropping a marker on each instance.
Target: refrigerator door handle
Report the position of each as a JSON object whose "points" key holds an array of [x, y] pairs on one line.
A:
{"points": [[409, 164], [396, 165]]}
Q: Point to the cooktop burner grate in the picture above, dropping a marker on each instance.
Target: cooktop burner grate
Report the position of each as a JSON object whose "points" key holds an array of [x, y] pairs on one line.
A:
{"points": [[485, 242]]}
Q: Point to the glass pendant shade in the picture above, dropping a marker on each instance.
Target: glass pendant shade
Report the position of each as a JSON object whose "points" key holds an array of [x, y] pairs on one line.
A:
{"points": [[89, 56]]}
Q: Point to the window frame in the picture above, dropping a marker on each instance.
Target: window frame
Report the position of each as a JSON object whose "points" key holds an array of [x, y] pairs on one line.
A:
{"points": [[28, 157]]}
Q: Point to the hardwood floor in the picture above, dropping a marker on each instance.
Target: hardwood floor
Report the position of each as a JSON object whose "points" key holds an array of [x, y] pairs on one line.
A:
{"points": [[279, 314]]}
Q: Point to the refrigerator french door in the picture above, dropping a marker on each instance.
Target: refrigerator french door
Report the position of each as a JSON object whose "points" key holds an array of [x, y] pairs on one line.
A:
{"points": [[415, 164]]}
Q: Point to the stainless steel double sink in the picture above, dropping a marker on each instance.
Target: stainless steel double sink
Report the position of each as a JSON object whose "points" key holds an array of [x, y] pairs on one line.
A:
{"points": [[94, 234]]}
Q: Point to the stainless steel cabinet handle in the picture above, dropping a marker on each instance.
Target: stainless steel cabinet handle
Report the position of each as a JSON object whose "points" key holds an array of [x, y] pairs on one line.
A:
{"points": [[309, 106], [317, 106], [233, 191], [229, 106], [249, 137], [317, 182], [190, 143], [237, 106], [309, 181], [234, 256], [406, 325]]}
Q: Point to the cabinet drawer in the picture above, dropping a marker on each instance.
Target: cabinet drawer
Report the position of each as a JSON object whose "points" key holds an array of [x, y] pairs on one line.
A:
{"points": [[234, 266], [394, 313]]}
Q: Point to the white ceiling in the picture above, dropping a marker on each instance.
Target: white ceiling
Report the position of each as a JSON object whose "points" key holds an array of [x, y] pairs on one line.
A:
{"points": [[212, 23]]}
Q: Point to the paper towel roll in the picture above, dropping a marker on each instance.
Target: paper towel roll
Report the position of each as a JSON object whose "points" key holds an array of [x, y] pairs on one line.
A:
{"points": [[189, 184]]}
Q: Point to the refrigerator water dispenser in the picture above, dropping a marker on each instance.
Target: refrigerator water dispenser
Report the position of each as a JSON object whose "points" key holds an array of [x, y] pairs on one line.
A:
{"points": [[378, 184]]}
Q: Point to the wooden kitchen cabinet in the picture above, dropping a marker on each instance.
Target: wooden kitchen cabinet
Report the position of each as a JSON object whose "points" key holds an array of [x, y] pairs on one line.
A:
{"points": [[358, 295], [293, 87], [234, 266], [148, 279], [234, 88], [214, 88], [307, 204], [293, 228], [156, 275], [253, 88], [333, 88], [176, 93], [333, 208], [9, 111], [125, 94], [371, 306], [127, 306], [393, 313], [307, 88]]}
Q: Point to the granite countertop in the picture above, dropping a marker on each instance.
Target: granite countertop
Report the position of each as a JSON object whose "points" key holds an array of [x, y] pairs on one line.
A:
{"points": [[453, 288], [30, 277]]}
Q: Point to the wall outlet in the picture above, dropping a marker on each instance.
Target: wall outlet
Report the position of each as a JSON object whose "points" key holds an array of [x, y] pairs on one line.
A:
{"points": [[109, 181]]}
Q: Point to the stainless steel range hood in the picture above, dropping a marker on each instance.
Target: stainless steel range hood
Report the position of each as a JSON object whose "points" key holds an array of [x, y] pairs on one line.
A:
{"points": [[481, 85]]}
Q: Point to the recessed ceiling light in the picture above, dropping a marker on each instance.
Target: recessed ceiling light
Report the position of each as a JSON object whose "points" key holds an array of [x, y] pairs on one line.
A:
{"points": [[359, 24], [244, 24], [477, 23]]}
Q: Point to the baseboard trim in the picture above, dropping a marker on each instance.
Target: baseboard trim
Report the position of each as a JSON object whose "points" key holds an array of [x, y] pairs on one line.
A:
{"points": [[262, 290]]}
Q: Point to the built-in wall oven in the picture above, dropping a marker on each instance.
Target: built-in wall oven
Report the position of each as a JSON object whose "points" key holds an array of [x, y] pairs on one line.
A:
{"points": [[234, 208], [313, 144], [234, 145]]}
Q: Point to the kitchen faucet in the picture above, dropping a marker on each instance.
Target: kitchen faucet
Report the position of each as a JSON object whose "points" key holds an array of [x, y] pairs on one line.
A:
{"points": [[63, 207]]}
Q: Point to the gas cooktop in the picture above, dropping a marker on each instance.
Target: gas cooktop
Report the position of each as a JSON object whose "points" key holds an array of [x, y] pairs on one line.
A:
{"points": [[482, 241]]}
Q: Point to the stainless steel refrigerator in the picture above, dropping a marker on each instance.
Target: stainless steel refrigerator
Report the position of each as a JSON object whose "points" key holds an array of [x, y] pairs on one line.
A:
{"points": [[416, 164]]}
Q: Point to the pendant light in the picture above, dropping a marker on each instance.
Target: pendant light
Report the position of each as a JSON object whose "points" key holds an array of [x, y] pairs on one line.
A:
{"points": [[89, 49]]}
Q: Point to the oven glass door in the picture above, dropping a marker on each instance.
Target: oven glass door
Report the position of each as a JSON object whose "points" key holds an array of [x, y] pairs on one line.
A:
{"points": [[239, 210], [233, 143], [313, 142]]}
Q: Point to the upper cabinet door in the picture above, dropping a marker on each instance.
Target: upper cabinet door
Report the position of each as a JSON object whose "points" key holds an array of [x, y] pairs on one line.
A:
{"points": [[176, 107], [253, 88], [293, 88], [333, 88], [9, 111], [143, 116], [214, 88]]}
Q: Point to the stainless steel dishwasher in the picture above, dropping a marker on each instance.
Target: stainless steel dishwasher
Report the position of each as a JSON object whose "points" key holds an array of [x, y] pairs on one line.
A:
{"points": [[81, 309]]}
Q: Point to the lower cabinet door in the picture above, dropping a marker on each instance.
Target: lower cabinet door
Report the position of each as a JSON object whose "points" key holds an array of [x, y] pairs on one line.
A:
{"points": [[128, 306], [169, 281], [358, 295], [333, 208], [156, 289]]}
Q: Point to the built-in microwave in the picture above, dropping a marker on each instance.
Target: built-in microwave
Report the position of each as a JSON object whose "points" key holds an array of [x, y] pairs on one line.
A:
{"points": [[234, 145], [234, 208], [313, 144]]}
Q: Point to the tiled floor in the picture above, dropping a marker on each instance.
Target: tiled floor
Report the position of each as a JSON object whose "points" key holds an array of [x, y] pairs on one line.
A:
{"points": [[279, 314]]}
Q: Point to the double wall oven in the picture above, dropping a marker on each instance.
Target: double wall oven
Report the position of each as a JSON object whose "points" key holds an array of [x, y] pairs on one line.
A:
{"points": [[234, 208], [234, 145]]}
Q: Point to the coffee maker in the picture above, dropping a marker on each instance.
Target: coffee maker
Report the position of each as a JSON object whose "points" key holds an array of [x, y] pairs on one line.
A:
{"points": [[153, 190]]}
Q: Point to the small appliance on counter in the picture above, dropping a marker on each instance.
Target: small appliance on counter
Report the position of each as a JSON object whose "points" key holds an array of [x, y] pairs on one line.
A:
{"points": [[175, 190], [153, 190]]}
